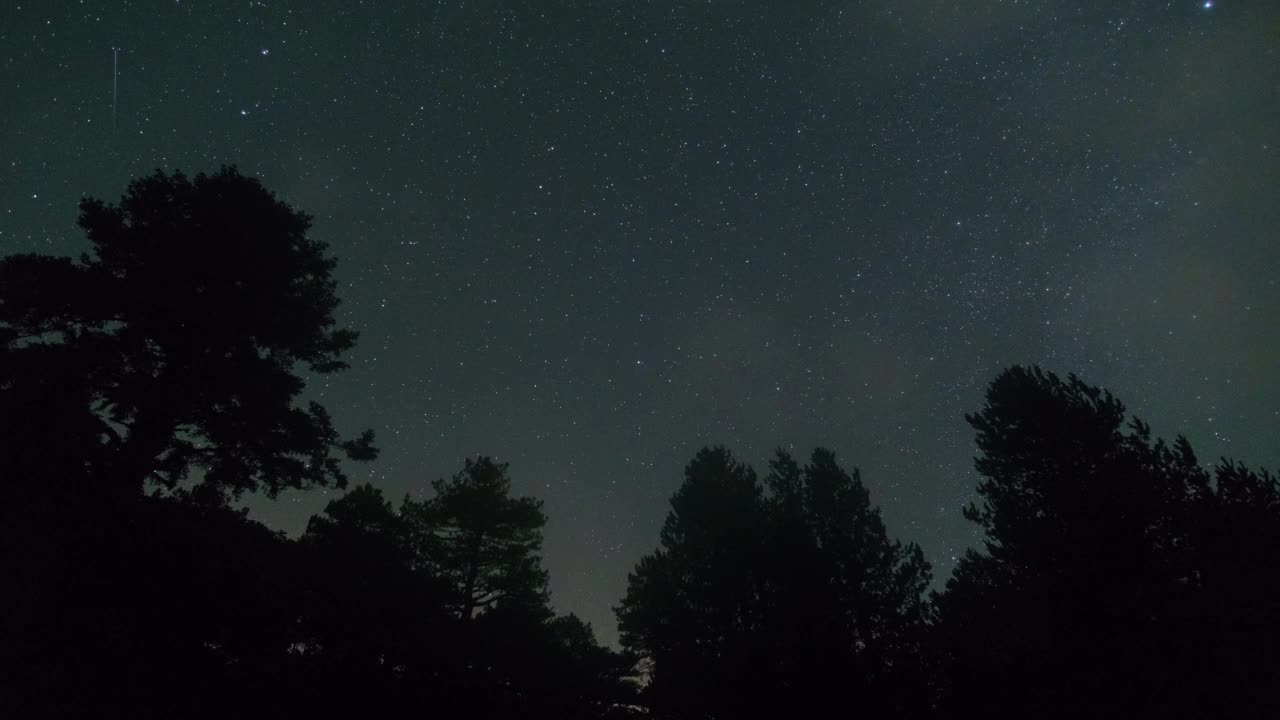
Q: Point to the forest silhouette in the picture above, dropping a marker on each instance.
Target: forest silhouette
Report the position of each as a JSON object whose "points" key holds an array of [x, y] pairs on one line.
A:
{"points": [[151, 383]]}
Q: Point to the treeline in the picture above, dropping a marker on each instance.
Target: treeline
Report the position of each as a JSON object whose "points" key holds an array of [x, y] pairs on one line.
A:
{"points": [[1117, 578], [172, 607], [149, 384]]}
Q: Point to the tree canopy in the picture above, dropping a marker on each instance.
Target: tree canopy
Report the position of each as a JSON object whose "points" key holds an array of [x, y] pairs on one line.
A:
{"points": [[447, 594], [151, 381], [1104, 571], [794, 600], [172, 345], [480, 540]]}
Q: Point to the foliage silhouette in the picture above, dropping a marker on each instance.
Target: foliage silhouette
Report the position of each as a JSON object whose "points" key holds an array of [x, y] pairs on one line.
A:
{"points": [[366, 607], [1103, 584], [144, 386], [853, 598], [370, 621], [168, 356], [173, 345], [481, 540], [790, 602], [169, 348], [150, 615], [384, 610], [690, 609]]}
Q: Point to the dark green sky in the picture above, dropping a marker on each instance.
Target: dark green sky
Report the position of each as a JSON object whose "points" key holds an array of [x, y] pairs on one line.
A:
{"points": [[589, 237]]}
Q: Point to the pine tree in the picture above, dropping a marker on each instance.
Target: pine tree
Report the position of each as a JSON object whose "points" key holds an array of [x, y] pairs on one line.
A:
{"points": [[791, 602], [1103, 586], [481, 541], [173, 346]]}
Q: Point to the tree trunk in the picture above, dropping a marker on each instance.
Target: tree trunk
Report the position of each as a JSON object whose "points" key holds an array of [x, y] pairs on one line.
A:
{"points": [[473, 576]]}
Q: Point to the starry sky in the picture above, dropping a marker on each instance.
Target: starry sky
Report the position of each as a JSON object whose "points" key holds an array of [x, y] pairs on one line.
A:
{"points": [[590, 237]]}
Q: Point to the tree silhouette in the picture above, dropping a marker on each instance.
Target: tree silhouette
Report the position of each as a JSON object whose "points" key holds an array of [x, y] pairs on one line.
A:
{"points": [[169, 355], [1047, 621], [584, 677], [173, 344], [1227, 636], [186, 610], [148, 383], [790, 602], [523, 662], [371, 620], [1102, 584], [691, 608], [480, 540], [170, 348], [385, 615], [365, 600], [849, 603]]}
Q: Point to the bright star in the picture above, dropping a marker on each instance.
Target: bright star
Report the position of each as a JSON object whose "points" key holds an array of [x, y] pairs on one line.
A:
{"points": [[1208, 4]]}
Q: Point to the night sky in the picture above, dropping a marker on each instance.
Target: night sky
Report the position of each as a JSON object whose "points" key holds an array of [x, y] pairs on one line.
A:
{"points": [[588, 238]]}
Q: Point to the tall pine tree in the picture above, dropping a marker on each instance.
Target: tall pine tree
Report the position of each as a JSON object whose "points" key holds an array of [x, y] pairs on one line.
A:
{"points": [[1104, 586]]}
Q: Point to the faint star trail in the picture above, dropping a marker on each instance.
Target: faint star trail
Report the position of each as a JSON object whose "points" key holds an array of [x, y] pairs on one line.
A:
{"points": [[115, 85]]}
